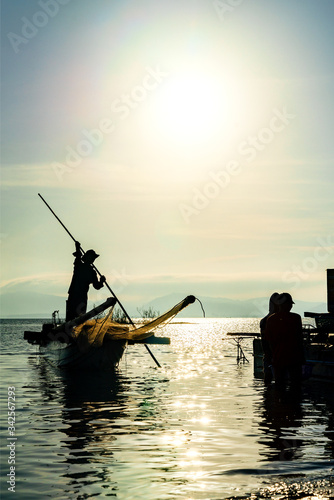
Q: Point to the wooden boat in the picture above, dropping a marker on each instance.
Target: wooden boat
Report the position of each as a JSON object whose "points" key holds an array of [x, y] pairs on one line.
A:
{"points": [[104, 358], [96, 344]]}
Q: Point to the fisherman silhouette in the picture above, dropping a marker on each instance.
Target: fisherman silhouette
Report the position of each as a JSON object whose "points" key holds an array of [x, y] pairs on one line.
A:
{"points": [[284, 333], [83, 275]]}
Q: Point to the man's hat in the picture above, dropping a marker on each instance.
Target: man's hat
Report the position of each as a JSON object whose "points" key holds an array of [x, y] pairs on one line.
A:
{"points": [[90, 253]]}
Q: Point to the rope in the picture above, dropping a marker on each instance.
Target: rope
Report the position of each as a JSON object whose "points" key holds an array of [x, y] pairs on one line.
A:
{"points": [[102, 323], [201, 307]]}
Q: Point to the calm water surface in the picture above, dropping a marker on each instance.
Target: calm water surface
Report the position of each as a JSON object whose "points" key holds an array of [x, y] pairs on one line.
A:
{"points": [[200, 427]]}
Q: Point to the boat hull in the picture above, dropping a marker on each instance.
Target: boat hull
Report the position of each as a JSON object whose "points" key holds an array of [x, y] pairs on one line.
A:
{"points": [[69, 356]]}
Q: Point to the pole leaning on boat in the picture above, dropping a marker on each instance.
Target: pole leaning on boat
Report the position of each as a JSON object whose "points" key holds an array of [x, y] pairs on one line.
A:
{"points": [[98, 272]]}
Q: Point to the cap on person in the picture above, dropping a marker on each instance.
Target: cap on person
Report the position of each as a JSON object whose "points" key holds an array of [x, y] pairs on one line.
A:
{"points": [[286, 297]]}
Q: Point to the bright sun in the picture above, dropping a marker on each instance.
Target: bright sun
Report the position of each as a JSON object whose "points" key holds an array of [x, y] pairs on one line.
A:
{"points": [[192, 108]]}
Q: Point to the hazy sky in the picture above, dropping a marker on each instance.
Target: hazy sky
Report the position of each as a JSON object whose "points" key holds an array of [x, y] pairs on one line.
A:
{"points": [[190, 143]]}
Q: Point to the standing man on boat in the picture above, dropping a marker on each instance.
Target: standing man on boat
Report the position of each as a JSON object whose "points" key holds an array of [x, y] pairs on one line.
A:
{"points": [[84, 274], [284, 334]]}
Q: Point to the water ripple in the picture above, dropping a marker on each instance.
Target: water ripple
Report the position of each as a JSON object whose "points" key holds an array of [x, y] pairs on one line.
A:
{"points": [[201, 427]]}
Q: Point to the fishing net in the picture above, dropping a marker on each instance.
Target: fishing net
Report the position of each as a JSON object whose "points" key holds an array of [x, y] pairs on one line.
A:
{"points": [[93, 332]]}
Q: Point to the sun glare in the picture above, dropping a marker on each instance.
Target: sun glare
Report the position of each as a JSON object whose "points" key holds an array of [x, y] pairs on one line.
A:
{"points": [[192, 108]]}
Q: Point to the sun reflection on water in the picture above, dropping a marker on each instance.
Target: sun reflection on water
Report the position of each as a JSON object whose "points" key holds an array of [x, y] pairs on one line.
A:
{"points": [[200, 427]]}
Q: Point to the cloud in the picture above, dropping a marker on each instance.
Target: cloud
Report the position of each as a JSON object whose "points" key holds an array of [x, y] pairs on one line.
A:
{"points": [[26, 176], [40, 282]]}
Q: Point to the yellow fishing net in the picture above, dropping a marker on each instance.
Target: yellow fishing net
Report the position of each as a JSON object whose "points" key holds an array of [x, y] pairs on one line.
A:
{"points": [[93, 332]]}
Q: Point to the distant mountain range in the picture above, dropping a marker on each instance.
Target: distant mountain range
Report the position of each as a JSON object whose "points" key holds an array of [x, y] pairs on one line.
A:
{"points": [[224, 308], [37, 305], [30, 305]]}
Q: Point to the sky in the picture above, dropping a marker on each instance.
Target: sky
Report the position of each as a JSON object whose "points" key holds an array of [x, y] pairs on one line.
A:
{"points": [[189, 143]]}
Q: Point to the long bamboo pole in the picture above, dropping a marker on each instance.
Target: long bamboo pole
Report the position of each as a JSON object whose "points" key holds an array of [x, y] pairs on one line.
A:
{"points": [[98, 272]]}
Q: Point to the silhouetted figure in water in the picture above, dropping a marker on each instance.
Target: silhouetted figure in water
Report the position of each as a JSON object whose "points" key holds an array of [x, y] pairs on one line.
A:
{"points": [[83, 276], [284, 334], [267, 361]]}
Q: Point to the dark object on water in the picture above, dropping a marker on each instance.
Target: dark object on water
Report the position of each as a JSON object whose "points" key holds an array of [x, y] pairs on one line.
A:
{"points": [[318, 342], [97, 344], [325, 321], [143, 332], [70, 307], [52, 332]]}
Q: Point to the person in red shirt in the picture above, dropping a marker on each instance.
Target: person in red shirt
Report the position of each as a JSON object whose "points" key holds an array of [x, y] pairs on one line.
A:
{"points": [[284, 334]]}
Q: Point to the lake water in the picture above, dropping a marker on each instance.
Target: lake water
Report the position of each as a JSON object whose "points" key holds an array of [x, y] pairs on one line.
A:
{"points": [[199, 427]]}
